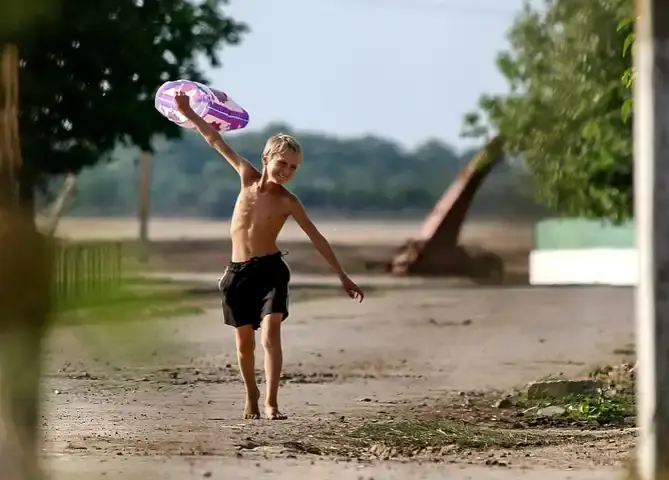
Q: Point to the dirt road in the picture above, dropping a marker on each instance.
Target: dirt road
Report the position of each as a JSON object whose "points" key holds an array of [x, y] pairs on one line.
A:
{"points": [[165, 400], [296, 469]]}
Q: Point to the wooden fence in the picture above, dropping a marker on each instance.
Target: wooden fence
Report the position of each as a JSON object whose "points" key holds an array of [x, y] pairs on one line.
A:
{"points": [[86, 270]]}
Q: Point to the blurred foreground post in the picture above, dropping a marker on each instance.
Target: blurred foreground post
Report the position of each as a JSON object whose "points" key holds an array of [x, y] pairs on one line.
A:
{"points": [[144, 197], [25, 262], [651, 157]]}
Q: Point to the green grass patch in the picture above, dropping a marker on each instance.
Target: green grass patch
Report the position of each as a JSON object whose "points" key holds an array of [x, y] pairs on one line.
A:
{"points": [[610, 407], [602, 409], [129, 302]]}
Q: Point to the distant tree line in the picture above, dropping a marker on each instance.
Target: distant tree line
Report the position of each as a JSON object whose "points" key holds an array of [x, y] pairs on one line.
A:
{"points": [[364, 175]]}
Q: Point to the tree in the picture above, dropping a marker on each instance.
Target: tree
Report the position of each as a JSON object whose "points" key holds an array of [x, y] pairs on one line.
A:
{"points": [[88, 77], [562, 115], [626, 27]]}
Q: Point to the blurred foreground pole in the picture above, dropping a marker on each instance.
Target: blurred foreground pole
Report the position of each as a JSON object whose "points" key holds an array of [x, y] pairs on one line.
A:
{"points": [[25, 262], [144, 197], [651, 197]]}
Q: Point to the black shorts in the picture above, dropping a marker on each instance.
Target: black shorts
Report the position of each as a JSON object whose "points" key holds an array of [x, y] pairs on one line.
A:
{"points": [[253, 289]]}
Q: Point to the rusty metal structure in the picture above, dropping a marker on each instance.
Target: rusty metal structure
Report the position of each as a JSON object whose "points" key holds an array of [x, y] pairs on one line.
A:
{"points": [[434, 250]]}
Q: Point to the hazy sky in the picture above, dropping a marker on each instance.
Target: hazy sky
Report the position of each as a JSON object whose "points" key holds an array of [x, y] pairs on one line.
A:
{"points": [[404, 69]]}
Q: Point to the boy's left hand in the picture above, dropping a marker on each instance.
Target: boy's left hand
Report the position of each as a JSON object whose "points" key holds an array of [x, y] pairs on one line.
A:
{"points": [[351, 289]]}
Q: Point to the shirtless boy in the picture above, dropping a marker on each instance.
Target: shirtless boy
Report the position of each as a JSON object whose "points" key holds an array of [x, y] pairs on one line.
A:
{"points": [[255, 283]]}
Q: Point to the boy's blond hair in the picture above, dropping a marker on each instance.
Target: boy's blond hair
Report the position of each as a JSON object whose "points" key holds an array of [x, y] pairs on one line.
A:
{"points": [[281, 143]]}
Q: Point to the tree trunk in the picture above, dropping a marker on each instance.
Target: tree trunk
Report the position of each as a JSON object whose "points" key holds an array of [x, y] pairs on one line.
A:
{"points": [[57, 208], [25, 281], [434, 250], [144, 188], [9, 135]]}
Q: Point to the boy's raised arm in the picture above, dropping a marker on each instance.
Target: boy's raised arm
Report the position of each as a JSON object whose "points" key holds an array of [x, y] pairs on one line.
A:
{"points": [[213, 137]]}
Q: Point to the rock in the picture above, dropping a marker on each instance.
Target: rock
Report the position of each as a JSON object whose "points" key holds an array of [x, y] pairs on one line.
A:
{"points": [[381, 451], [247, 445], [529, 410], [447, 449], [559, 389], [611, 393], [503, 403], [623, 374], [552, 411]]}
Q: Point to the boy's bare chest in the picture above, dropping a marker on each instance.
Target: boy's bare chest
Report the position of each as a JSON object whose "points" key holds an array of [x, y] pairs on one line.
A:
{"points": [[259, 207]]}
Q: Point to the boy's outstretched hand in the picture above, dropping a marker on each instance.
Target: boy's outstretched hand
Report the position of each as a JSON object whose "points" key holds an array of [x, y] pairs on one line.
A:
{"points": [[352, 290]]}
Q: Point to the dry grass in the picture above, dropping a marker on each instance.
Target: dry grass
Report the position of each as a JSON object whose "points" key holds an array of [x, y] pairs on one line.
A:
{"points": [[420, 434]]}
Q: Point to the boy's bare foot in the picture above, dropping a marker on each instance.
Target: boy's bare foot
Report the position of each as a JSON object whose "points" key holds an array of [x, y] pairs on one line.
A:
{"points": [[273, 413], [251, 410]]}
